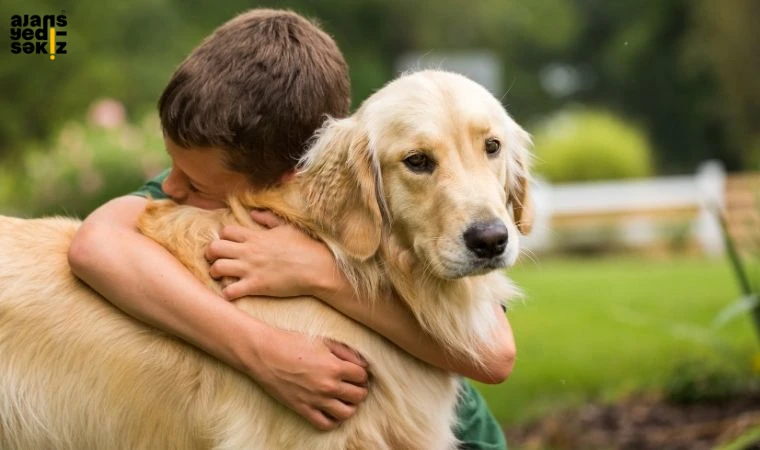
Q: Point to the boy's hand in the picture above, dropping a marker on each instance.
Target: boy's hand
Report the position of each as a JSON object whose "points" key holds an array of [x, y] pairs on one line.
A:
{"points": [[321, 380], [279, 261]]}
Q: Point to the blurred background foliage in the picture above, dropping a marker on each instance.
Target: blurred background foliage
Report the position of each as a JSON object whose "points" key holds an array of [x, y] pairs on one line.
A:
{"points": [[683, 71], [84, 167]]}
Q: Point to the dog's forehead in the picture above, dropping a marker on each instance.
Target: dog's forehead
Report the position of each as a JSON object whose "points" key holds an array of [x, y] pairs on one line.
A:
{"points": [[433, 103]]}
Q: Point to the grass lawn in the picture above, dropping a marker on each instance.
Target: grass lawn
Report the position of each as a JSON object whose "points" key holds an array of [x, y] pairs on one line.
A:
{"points": [[600, 328]]}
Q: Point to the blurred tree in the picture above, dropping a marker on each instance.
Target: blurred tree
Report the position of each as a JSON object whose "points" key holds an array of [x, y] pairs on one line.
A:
{"points": [[666, 65], [724, 43], [630, 53], [114, 50]]}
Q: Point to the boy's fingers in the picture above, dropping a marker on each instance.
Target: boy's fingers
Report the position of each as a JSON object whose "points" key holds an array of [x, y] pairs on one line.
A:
{"points": [[234, 233], [315, 417], [345, 353], [354, 374], [226, 268], [235, 290], [220, 248], [265, 218], [339, 410], [352, 394], [320, 420]]}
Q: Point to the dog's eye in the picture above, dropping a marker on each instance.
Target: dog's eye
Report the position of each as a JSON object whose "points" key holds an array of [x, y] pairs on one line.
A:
{"points": [[492, 146], [419, 162]]}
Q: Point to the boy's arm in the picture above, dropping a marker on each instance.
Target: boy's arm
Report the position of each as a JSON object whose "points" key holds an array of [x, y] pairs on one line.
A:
{"points": [[391, 318], [320, 380], [266, 260]]}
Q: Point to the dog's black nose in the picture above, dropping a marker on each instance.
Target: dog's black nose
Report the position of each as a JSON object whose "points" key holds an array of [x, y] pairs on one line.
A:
{"points": [[487, 239]]}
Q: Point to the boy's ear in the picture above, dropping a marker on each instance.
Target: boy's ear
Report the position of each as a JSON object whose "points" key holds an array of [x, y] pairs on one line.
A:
{"points": [[340, 179], [518, 184]]}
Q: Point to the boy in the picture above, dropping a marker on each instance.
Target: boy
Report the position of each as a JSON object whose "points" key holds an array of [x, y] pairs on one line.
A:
{"points": [[236, 115]]}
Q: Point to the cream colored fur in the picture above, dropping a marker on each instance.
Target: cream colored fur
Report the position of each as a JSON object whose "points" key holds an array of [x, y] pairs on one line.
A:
{"points": [[75, 373]]}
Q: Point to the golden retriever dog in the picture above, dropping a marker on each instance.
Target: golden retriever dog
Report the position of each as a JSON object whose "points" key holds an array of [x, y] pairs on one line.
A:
{"points": [[422, 191]]}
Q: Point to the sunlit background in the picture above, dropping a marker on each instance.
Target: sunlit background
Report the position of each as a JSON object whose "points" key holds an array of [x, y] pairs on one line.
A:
{"points": [[646, 121]]}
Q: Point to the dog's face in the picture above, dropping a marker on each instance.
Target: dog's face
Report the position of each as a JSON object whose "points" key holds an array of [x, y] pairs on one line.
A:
{"points": [[437, 158]]}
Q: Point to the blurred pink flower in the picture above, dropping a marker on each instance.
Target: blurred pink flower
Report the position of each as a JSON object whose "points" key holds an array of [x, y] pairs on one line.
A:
{"points": [[107, 113]]}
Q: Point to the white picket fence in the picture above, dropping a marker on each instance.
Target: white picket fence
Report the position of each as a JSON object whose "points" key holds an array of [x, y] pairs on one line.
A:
{"points": [[633, 208]]}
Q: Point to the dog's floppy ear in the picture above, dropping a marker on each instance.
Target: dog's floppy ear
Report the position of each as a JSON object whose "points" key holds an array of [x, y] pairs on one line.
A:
{"points": [[518, 184], [341, 178]]}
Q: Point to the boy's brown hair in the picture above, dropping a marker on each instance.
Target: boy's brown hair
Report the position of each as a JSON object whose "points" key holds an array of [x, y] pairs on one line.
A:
{"points": [[257, 88]]}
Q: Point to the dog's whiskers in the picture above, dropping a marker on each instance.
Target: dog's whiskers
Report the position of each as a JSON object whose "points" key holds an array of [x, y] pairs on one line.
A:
{"points": [[531, 255]]}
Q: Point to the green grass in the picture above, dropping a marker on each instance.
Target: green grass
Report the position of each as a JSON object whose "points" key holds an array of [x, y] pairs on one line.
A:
{"points": [[601, 328]]}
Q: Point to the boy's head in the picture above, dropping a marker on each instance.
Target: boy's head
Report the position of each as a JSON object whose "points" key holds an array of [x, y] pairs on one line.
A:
{"points": [[255, 91]]}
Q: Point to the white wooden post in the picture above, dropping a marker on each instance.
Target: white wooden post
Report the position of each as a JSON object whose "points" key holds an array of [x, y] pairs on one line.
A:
{"points": [[711, 183], [540, 238]]}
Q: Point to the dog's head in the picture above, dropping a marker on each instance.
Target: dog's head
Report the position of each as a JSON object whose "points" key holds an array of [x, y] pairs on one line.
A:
{"points": [[435, 159]]}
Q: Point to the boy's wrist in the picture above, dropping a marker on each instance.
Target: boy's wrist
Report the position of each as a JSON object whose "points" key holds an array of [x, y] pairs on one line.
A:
{"points": [[247, 349], [329, 288]]}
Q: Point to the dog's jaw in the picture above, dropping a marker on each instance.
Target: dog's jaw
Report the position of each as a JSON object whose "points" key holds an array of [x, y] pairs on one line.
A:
{"points": [[458, 312]]}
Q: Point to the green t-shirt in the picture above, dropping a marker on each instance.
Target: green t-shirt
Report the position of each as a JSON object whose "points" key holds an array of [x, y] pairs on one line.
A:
{"points": [[152, 189], [477, 428]]}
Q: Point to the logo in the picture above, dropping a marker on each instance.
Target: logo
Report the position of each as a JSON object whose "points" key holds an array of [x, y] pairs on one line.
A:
{"points": [[38, 35]]}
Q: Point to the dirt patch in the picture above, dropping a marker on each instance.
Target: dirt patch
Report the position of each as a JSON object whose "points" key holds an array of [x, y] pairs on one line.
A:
{"points": [[641, 423]]}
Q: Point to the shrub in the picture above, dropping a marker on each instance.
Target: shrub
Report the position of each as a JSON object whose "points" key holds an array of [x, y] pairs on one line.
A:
{"points": [[87, 166], [585, 145]]}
